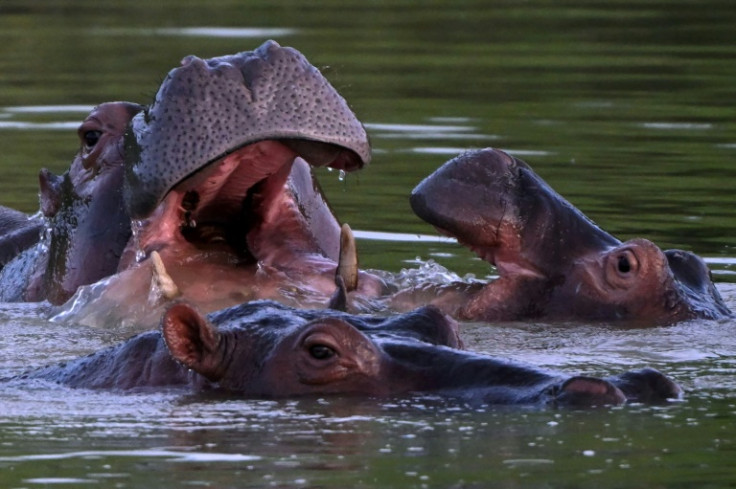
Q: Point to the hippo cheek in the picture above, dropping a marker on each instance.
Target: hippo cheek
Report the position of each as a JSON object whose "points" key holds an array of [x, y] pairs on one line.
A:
{"points": [[631, 280]]}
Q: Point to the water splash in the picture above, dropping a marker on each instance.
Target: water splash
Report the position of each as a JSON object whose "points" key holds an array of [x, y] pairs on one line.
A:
{"points": [[136, 226]]}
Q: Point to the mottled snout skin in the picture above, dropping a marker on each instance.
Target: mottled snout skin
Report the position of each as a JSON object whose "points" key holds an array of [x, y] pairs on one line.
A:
{"points": [[207, 108], [553, 262], [266, 350]]}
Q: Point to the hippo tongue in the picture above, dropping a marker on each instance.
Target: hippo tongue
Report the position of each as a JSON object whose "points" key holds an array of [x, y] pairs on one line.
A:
{"points": [[498, 207]]}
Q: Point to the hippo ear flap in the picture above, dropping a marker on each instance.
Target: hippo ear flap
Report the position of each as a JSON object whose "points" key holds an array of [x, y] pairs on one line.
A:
{"points": [[191, 339]]}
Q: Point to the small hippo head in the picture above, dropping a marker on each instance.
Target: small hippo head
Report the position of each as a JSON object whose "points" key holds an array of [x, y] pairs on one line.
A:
{"points": [[87, 222], [207, 109]]}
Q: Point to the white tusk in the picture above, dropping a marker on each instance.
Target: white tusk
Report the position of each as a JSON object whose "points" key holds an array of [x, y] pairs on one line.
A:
{"points": [[347, 266], [161, 282]]}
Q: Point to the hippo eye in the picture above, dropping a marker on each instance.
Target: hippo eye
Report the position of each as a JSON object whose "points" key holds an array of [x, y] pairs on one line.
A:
{"points": [[624, 266], [91, 138], [321, 352]]}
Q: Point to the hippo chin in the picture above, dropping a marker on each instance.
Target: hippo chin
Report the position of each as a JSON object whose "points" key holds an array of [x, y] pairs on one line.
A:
{"points": [[219, 184], [553, 262], [84, 220], [264, 349]]}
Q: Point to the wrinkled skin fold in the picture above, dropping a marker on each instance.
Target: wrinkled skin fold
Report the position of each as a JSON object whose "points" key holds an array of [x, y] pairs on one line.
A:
{"points": [[264, 349], [553, 262]]}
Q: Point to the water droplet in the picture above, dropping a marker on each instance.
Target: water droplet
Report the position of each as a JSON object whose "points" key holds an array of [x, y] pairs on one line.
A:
{"points": [[341, 175], [136, 226]]}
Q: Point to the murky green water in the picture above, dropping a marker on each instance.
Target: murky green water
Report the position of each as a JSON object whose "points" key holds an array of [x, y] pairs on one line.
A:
{"points": [[626, 108]]}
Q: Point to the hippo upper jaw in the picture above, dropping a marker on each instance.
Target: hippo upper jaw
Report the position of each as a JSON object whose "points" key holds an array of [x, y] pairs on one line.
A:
{"points": [[206, 109], [498, 207]]}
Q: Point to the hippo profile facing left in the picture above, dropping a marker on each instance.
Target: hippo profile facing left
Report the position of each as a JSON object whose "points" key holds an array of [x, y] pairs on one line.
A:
{"points": [[264, 349], [553, 262]]}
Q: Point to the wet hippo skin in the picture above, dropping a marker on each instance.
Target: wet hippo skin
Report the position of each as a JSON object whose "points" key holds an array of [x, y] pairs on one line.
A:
{"points": [[218, 184], [84, 220], [264, 349], [553, 262], [18, 231]]}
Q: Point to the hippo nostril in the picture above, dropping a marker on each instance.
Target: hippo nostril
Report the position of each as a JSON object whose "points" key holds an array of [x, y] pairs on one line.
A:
{"points": [[624, 266]]}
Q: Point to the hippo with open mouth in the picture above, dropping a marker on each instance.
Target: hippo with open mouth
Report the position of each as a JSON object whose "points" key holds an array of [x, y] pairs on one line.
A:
{"points": [[553, 262], [219, 186], [82, 215], [264, 349]]}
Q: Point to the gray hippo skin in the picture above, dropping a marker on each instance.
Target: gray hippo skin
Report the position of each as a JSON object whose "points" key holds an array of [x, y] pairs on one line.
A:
{"points": [[553, 262], [18, 231], [86, 225], [264, 349], [219, 185], [207, 109]]}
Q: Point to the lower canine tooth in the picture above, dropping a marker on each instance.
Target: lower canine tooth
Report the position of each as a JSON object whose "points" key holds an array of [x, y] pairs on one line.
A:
{"points": [[161, 281], [347, 266]]}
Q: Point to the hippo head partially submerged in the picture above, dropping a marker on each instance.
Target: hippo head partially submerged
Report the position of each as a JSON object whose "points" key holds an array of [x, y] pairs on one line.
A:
{"points": [[86, 224], [263, 349], [554, 262]]}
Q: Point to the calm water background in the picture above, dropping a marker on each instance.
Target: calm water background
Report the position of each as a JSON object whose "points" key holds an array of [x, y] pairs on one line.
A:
{"points": [[626, 108]]}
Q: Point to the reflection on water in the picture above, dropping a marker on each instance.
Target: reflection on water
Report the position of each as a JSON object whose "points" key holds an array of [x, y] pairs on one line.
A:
{"points": [[623, 107]]}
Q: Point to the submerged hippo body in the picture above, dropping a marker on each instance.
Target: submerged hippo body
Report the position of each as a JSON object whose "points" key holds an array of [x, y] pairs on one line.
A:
{"points": [[553, 262], [18, 232], [84, 220], [219, 185], [263, 349]]}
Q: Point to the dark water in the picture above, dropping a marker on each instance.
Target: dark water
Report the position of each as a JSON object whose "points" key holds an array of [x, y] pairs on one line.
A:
{"points": [[626, 108]]}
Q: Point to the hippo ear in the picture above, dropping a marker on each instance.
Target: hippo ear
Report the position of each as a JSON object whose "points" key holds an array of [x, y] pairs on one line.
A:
{"points": [[191, 339]]}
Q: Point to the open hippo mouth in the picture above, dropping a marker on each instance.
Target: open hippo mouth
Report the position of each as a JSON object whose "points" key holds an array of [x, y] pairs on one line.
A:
{"points": [[211, 162], [552, 260]]}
